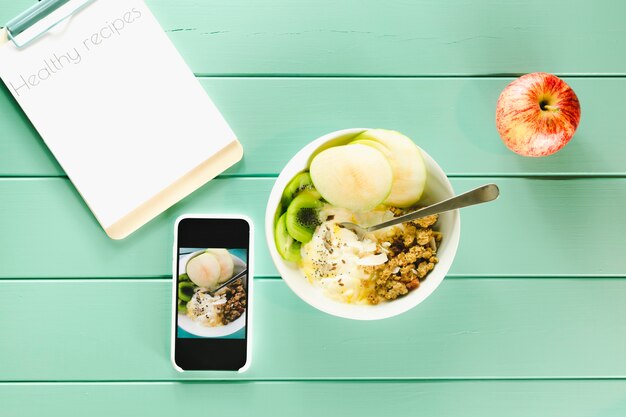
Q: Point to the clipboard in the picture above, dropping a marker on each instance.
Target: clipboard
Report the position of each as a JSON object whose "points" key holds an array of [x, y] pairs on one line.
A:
{"points": [[116, 105]]}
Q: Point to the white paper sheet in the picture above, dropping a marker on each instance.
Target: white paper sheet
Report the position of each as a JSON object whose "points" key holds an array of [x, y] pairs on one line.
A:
{"points": [[116, 104]]}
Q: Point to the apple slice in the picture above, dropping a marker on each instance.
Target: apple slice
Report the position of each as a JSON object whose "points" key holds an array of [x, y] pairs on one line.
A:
{"points": [[356, 177], [376, 145], [204, 270], [407, 164], [227, 265]]}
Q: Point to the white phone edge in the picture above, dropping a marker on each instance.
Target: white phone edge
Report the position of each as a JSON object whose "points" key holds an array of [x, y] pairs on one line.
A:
{"points": [[249, 312]]}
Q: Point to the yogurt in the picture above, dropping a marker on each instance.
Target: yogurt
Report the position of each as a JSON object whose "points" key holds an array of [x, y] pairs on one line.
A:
{"points": [[335, 259]]}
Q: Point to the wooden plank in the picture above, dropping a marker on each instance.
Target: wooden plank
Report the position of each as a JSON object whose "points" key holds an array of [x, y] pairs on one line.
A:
{"points": [[537, 227], [97, 330], [312, 399], [399, 37], [452, 119]]}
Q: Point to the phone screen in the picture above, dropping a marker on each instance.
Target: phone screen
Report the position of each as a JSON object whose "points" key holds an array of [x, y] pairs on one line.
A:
{"points": [[211, 295]]}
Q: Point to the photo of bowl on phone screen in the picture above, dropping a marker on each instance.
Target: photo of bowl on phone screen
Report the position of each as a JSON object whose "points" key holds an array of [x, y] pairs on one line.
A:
{"points": [[212, 293]]}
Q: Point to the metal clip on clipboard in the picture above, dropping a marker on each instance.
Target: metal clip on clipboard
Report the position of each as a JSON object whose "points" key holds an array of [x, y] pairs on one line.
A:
{"points": [[40, 18]]}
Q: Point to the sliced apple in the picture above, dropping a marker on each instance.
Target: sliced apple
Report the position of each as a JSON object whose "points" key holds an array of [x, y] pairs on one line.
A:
{"points": [[376, 145], [204, 270], [227, 265], [407, 164], [356, 177]]}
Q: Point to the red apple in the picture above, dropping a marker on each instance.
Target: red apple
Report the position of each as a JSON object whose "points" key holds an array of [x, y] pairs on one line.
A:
{"points": [[537, 114]]}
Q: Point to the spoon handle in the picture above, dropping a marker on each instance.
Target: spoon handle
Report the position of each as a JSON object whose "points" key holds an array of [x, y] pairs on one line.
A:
{"points": [[234, 278], [479, 195]]}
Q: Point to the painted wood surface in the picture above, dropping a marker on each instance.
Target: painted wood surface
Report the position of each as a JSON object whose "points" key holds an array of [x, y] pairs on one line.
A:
{"points": [[531, 320], [396, 37], [543, 227], [452, 119], [312, 399], [469, 328]]}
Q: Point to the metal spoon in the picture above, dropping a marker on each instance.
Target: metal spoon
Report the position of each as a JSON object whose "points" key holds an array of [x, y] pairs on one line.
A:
{"points": [[234, 278], [479, 195]]}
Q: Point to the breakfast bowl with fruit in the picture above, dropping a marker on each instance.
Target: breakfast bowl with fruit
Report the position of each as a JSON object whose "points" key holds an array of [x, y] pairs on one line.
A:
{"points": [[362, 176]]}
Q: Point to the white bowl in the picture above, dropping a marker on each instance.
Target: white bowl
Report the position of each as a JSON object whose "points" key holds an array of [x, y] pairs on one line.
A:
{"points": [[438, 188]]}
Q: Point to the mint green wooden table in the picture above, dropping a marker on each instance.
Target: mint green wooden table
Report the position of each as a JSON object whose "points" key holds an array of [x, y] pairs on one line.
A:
{"points": [[531, 320]]}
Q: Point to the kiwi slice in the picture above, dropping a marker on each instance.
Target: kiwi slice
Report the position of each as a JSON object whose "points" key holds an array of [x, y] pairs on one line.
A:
{"points": [[299, 183], [185, 290], [303, 215], [182, 306], [279, 212], [287, 246]]}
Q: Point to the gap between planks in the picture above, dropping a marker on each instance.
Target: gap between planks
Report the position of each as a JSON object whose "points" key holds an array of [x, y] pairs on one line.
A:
{"points": [[538, 175], [401, 76], [310, 380], [165, 278]]}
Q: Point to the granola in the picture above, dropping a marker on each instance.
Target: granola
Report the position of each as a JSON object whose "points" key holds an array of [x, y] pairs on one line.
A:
{"points": [[235, 301], [412, 254]]}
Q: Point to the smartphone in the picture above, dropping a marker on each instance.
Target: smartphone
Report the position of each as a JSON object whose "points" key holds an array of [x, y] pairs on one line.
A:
{"points": [[212, 293]]}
